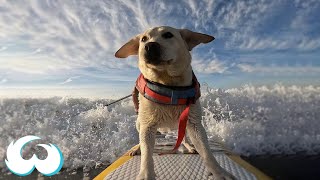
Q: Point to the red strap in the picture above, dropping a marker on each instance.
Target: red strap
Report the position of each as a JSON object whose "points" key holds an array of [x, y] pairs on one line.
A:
{"points": [[183, 119], [141, 84]]}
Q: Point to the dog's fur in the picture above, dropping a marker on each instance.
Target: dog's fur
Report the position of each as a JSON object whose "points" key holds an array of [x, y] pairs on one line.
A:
{"points": [[173, 69]]}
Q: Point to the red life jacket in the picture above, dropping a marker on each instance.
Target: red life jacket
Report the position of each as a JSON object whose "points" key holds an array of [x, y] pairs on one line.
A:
{"points": [[169, 95]]}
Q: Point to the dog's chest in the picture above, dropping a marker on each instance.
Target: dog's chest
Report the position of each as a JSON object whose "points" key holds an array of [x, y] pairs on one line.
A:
{"points": [[163, 116]]}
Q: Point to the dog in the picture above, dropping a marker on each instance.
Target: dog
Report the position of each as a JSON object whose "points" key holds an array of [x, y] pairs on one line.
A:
{"points": [[164, 58]]}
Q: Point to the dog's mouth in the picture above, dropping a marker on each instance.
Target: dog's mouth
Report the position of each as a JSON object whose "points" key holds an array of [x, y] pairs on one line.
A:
{"points": [[166, 61], [158, 62]]}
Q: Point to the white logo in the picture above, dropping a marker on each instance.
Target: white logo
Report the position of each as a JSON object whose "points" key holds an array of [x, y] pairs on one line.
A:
{"points": [[21, 167]]}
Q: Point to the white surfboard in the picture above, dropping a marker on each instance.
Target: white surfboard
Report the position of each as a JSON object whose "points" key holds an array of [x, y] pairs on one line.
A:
{"points": [[181, 166]]}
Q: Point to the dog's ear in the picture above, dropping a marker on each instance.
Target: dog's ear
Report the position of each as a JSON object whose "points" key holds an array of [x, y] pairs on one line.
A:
{"points": [[130, 48], [193, 38]]}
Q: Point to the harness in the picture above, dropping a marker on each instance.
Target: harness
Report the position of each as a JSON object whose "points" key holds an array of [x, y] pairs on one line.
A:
{"points": [[169, 95]]}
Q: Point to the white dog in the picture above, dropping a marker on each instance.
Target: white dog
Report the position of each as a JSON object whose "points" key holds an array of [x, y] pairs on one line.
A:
{"points": [[165, 60]]}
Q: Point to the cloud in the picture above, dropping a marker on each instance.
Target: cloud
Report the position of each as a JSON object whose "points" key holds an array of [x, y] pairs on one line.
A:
{"points": [[66, 81], [69, 80], [37, 65], [79, 33], [4, 80], [42, 38], [300, 44], [308, 69], [264, 25], [3, 48], [39, 50], [309, 44], [209, 66], [254, 43], [88, 33]]}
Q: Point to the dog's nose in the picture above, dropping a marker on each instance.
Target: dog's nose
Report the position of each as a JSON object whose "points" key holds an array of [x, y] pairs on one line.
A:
{"points": [[152, 47], [152, 50]]}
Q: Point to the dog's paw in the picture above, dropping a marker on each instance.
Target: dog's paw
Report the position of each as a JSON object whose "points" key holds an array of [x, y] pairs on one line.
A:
{"points": [[192, 150], [134, 150], [222, 175], [144, 175]]}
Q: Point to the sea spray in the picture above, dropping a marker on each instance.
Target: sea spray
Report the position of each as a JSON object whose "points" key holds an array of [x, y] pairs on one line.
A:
{"points": [[249, 120]]}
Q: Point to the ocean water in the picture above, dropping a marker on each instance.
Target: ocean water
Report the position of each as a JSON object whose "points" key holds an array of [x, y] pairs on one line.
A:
{"points": [[249, 120]]}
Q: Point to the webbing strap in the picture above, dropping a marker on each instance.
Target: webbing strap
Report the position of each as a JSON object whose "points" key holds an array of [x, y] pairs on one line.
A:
{"points": [[183, 120]]}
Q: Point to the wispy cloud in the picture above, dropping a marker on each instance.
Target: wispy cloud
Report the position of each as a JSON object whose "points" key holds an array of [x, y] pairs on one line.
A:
{"points": [[307, 69], [69, 80], [268, 25], [3, 48], [39, 50], [88, 33], [209, 67], [60, 37], [4, 80], [37, 65], [297, 43], [81, 33]]}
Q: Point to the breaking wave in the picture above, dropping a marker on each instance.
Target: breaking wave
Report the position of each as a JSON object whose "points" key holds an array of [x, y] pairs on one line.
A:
{"points": [[249, 120]]}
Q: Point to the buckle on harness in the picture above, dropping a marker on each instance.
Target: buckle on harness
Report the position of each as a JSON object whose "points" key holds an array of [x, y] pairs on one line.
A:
{"points": [[174, 98]]}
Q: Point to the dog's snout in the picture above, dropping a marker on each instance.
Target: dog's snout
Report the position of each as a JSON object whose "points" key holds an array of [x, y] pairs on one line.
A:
{"points": [[152, 47], [153, 52]]}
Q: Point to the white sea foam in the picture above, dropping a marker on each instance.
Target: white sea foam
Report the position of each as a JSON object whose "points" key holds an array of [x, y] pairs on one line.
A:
{"points": [[249, 120], [261, 120]]}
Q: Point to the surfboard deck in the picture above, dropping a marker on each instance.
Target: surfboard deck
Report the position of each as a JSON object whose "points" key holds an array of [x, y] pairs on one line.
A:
{"points": [[181, 165]]}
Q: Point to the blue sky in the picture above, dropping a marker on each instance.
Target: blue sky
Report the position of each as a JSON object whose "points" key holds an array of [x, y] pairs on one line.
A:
{"points": [[69, 45]]}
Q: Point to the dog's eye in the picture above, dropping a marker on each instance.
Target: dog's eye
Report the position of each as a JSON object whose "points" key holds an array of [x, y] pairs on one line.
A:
{"points": [[144, 39], [167, 35]]}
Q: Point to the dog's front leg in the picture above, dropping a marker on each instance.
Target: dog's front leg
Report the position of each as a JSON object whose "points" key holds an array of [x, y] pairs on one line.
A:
{"points": [[199, 139], [147, 141]]}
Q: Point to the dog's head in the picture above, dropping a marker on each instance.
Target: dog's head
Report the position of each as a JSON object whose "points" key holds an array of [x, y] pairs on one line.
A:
{"points": [[163, 49]]}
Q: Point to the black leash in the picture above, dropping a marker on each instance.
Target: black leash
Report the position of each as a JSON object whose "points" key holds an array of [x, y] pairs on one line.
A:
{"points": [[118, 100]]}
